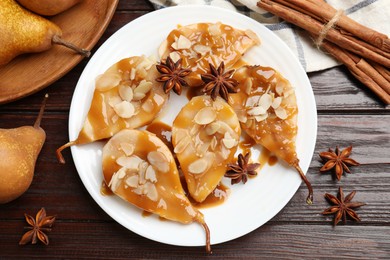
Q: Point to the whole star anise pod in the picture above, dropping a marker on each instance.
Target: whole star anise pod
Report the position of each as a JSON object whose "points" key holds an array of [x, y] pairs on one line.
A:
{"points": [[339, 161], [38, 225], [219, 82], [342, 207], [239, 171], [172, 75]]}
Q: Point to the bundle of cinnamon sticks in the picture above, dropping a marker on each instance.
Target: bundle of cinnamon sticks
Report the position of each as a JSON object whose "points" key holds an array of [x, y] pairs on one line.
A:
{"points": [[364, 51]]}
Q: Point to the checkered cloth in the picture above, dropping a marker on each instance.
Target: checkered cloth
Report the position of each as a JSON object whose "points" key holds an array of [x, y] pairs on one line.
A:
{"points": [[371, 13]]}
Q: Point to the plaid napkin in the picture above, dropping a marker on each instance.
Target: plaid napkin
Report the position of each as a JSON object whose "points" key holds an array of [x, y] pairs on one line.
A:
{"points": [[371, 13]]}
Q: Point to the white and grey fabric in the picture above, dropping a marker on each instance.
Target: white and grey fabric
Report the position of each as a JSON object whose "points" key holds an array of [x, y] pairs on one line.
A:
{"points": [[371, 13]]}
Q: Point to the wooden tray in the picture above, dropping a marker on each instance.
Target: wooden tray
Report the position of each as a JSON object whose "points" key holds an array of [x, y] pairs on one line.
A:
{"points": [[82, 25]]}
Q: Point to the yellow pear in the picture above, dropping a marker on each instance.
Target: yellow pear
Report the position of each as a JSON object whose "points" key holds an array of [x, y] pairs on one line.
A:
{"points": [[19, 149], [48, 7], [25, 32], [139, 168]]}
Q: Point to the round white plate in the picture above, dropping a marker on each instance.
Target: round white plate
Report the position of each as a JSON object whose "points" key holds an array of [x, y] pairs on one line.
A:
{"points": [[260, 198]]}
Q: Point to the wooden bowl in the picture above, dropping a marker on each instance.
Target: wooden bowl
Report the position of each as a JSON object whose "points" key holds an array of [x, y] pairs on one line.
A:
{"points": [[82, 25]]}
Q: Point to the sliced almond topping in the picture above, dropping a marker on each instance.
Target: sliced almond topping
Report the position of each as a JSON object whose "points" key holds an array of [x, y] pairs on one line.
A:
{"points": [[163, 47], [213, 143], [183, 43], [229, 143], [127, 148], [143, 87], [281, 113], [107, 81], [276, 103], [132, 73], [252, 101], [199, 166], [132, 181], [175, 56], [124, 109], [116, 179], [159, 161], [131, 162], [114, 118], [150, 174], [279, 88], [182, 144], [158, 99], [251, 34], [202, 49], [205, 116], [125, 92], [248, 85], [202, 148], [265, 101], [255, 111], [194, 130], [214, 29], [212, 128], [141, 172], [225, 152], [138, 96], [150, 191], [112, 101], [261, 117]]}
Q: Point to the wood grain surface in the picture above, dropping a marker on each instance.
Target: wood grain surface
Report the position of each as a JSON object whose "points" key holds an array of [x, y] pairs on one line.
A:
{"points": [[347, 115]]}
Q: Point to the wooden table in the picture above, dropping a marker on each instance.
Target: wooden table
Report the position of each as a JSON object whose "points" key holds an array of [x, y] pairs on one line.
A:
{"points": [[348, 114]]}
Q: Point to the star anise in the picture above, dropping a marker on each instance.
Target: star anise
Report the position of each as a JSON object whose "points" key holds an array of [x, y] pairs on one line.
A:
{"points": [[219, 82], [172, 75], [343, 207], [239, 171], [38, 225], [338, 160]]}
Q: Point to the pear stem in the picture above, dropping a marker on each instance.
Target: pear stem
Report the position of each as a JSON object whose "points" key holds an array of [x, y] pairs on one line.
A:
{"points": [[60, 158], [57, 40], [206, 228], [42, 109], [309, 199]]}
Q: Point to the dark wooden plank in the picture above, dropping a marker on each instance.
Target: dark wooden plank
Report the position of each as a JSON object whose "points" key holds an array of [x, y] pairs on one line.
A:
{"points": [[90, 240]]}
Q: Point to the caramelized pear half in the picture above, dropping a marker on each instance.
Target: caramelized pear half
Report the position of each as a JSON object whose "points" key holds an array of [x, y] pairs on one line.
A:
{"points": [[205, 136], [139, 168], [126, 96], [201, 44], [267, 109]]}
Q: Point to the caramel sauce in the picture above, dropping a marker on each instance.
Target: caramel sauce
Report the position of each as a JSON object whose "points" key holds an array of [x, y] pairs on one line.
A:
{"points": [[264, 157], [162, 131], [105, 190], [193, 92], [246, 143], [146, 213], [272, 160]]}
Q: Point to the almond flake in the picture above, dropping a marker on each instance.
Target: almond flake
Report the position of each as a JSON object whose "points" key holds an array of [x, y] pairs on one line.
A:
{"points": [[159, 161], [107, 81], [150, 174], [253, 36], [127, 148], [150, 191], [138, 96], [199, 166], [131, 162], [202, 49], [281, 113], [183, 43], [260, 118], [205, 116], [229, 143], [182, 144], [163, 47], [255, 111], [125, 92], [213, 143], [124, 109], [276, 103], [279, 88], [148, 106], [143, 87], [252, 101], [132, 181], [214, 29], [175, 56], [132, 73], [248, 86], [112, 101], [212, 128], [265, 101], [116, 179]]}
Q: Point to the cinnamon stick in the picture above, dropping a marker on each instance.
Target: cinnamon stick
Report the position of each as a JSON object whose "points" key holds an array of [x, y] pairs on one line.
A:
{"points": [[360, 69], [314, 27]]}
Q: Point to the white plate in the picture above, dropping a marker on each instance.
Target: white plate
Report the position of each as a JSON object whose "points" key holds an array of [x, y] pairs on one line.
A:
{"points": [[260, 198]]}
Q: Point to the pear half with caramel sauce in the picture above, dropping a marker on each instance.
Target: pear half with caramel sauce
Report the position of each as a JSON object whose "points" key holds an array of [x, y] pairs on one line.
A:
{"points": [[140, 168], [205, 136], [266, 106], [201, 44], [126, 96]]}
